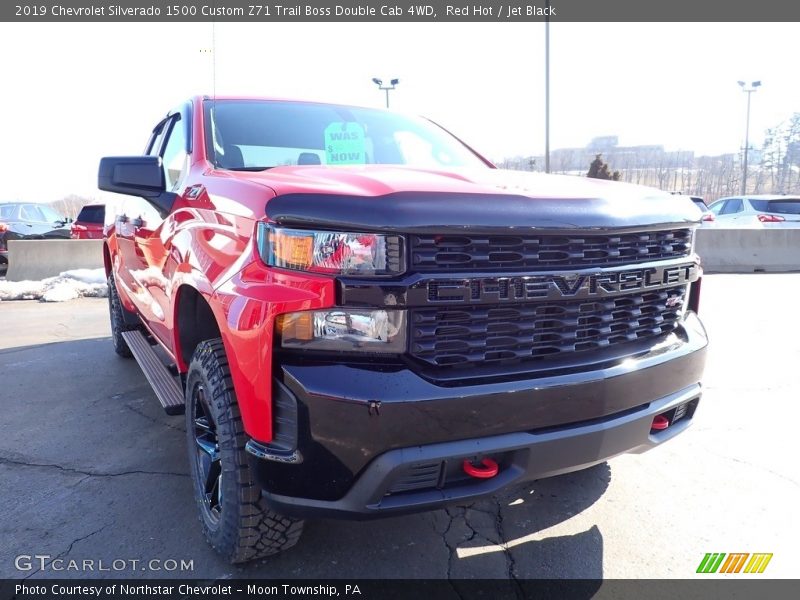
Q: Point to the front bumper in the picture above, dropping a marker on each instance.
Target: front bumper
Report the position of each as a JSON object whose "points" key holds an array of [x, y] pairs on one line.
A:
{"points": [[374, 441], [522, 456]]}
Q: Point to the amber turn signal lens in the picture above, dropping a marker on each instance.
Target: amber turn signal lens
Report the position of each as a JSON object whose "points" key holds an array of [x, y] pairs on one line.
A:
{"points": [[294, 250], [299, 326]]}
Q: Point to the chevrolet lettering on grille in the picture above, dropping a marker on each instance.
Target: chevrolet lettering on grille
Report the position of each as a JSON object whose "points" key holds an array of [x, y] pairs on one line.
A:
{"points": [[552, 286]]}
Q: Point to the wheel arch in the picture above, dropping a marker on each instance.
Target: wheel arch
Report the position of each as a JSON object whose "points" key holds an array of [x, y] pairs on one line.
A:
{"points": [[107, 259], [194, 321]]}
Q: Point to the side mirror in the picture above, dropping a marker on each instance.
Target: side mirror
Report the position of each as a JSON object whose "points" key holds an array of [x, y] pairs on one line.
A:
{"points": [[132, 175]]}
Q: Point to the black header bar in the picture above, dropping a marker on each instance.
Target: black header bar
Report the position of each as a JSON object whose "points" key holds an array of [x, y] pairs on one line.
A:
{"points": [[409, 11], [382, 589]]}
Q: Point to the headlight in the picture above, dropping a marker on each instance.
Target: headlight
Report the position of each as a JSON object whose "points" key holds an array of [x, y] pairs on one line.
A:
{"points": [[344, 330], [339, 253]]}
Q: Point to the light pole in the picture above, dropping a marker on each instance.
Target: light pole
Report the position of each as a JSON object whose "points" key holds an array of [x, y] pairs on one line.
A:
{"points": [[547, 94], [379, 83], [749, 91]]}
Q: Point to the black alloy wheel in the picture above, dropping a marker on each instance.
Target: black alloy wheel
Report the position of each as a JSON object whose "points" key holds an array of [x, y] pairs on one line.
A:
{"points": [[207, 455]]}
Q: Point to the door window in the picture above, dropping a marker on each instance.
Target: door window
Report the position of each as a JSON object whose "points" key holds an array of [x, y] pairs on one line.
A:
{"points": [[50, 216], [31, 212], [156, 138], [174, 156], [734, 205]]}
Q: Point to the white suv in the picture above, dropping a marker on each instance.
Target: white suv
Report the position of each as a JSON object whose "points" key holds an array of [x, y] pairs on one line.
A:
{"points": [[757, 211]]}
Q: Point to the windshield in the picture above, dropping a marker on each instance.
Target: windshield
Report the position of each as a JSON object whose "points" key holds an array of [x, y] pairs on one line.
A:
{"points": [[784, 206], [8, 211], [259, 134]]}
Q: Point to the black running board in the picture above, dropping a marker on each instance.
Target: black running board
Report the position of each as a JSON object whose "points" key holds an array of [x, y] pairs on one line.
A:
{"points": [[167, 389]]}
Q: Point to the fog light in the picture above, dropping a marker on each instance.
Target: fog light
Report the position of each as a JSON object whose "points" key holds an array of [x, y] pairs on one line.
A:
{"points": [[348, 330]]}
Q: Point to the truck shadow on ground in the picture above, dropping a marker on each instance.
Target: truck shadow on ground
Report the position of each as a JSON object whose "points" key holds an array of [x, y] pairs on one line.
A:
{"points": [[104, 476], [504, 536]]}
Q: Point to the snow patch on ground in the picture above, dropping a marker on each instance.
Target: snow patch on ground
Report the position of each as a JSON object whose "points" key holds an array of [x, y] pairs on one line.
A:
{"points": [[78, 283]]}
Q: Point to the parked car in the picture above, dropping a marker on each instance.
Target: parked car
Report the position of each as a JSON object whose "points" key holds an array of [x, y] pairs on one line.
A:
{"points": [[89, 224], [28, 221], [708, 216], [770, 210]]}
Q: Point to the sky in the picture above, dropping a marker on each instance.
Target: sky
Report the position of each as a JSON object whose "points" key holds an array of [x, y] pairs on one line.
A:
{"points": [[73, 92]]}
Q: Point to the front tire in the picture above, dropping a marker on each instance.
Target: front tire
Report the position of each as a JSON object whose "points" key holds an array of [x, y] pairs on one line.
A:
{"points": [[235, 519], [119, 322]]}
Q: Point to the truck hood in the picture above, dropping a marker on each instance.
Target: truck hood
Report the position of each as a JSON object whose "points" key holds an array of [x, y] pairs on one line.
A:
{"points": [[412, 199]]}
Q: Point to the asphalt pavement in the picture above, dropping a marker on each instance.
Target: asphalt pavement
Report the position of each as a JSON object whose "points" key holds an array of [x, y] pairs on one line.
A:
{"points": [[91, 469]]}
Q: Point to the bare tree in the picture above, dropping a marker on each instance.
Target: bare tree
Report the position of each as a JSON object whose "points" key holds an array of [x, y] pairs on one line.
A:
{"points": [[71, 205], [599, 170]]}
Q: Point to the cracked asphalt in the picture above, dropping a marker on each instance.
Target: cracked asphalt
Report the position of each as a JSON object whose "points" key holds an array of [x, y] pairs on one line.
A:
{"points": [[92, 469]]}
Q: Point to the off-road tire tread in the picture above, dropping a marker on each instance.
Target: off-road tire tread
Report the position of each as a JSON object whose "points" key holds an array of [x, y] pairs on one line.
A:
{"points": [[117, 317], [254, 531]]}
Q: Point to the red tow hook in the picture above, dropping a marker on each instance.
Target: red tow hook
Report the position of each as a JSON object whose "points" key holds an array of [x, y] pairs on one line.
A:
{"points": [[660, 423], [485, 470]]}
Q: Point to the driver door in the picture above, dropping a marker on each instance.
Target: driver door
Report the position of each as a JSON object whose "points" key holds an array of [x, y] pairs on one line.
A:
{"points": [[142, 245]]}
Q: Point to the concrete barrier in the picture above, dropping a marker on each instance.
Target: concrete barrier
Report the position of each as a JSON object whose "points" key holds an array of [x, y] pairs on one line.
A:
{"points": [[38, 259], [748, 250], [722, 250]]}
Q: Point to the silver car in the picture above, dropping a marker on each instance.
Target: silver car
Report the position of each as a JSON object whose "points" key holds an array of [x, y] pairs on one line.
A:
{"points": [[770, 210]]}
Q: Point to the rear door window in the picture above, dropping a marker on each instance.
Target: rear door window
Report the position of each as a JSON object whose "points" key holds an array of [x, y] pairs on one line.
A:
{"points": [[788, 206], [92, 214]]}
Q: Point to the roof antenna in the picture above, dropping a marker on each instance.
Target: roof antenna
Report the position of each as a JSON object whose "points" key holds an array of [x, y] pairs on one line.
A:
{"points": [[213, 111], [214, 60]]}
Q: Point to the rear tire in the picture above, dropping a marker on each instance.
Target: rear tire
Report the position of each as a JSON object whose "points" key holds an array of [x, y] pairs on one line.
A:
{"points": [[120, 319], [235, 519]]}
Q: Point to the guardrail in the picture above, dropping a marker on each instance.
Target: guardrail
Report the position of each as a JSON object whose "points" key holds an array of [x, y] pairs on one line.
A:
{"points": [[722, 250], [38, 259], [748, 250]]}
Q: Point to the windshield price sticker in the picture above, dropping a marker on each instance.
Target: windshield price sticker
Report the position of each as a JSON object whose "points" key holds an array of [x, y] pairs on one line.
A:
{"points": [[345, 144]]}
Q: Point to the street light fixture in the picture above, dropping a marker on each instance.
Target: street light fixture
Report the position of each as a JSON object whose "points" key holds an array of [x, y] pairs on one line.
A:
{"points": [[749, 91], [392, 84]]}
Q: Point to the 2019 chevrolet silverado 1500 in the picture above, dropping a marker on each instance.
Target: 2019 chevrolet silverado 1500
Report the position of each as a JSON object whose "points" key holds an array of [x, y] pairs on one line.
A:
{"points": [[360, 316]]}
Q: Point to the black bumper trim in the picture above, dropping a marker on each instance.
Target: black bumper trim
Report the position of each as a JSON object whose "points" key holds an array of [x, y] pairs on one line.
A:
{"points": [[351, 415], [528, 456]]}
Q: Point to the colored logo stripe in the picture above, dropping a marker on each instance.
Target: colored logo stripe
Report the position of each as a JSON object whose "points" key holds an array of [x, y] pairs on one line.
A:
{"points": [[712, 562], [734, 563], [758, 563]]}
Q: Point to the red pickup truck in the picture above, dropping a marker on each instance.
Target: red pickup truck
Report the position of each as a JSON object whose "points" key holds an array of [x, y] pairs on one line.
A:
{"points": [[361, 316]]}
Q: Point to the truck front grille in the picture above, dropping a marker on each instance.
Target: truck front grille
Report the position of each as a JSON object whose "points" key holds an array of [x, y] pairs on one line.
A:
{"points": [[455, 336], [499, 253]]}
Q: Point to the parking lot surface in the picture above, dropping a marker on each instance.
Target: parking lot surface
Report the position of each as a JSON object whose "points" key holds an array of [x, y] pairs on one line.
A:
{"points": [[92, 469]]}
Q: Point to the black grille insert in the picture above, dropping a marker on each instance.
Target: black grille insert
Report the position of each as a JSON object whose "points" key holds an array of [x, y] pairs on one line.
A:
{"points": [[418, 477], [502, 252], [454, 336]]}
